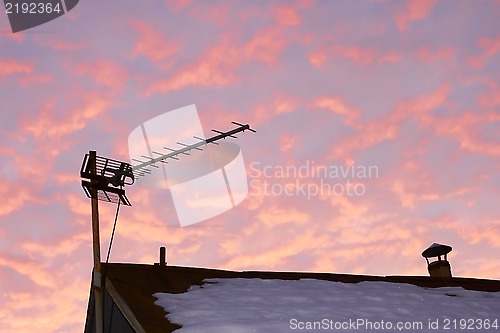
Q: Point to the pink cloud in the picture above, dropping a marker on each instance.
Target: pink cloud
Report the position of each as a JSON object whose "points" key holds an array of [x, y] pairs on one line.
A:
{"points": [[49, 125], [371, 133], [217, 14], [36, 79], [287, 15], [420, 106], [490, 46], [466, 128], [426, 54], [8, 67], [415, 10], [276, 254], [275, 216], [287, 142], [490, 100], [61, 45], [15, 197], [104, 72], [389, 57], [217, 66], [265, 45], [317, 59], [357, 54], [263, 112], [17, 37], [338, 106], [367, 135], [151, 44], [178, 5]]}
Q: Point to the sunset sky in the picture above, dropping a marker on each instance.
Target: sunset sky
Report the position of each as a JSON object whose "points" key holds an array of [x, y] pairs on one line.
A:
{"points": [[409, 88]]}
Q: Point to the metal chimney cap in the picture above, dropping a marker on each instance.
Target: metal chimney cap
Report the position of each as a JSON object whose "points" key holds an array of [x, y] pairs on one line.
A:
{"points": [[436, 250]]}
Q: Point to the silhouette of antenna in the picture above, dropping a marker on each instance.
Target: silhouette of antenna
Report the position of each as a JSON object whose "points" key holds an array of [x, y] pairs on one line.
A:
{"points": [[104, 179], [142, 168]]}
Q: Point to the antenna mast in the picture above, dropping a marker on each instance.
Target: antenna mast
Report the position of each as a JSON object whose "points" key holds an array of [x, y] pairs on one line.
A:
{"points": [[104, 179]]}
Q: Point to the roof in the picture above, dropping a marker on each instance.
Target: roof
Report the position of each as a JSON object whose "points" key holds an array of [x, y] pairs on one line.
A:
{"points": [[132, 287]]}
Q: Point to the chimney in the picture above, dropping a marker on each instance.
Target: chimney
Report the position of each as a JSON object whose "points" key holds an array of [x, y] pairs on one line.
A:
{"points": [[163, 257], [440, 267]]}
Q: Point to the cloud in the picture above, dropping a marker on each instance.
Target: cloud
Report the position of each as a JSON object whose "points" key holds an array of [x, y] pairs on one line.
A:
{"points": [[355, 53], [9, 67], [414, 11], [490, 47], [490, 100], [338, 106], [151, 44], [429, 56], [265, 46], [178, 5], [61, 45], [278, 216], [288, 15], [265, 111], [15, 197], [104, 72], [47, 124], [218, 65], [317, 59], [288, 142], [36, 79]]}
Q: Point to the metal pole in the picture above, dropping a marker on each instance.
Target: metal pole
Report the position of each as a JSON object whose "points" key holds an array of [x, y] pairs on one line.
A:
{"points": [[96, 244]]}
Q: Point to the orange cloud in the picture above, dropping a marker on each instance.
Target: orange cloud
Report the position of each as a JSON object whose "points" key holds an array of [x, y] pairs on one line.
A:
{"points": [[415, 10]]}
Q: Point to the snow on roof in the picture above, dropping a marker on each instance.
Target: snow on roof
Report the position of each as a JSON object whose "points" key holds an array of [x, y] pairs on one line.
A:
{"points": [[132, 287], [258, 305]]}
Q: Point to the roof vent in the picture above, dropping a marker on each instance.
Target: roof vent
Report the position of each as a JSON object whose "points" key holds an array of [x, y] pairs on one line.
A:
{"points": [[441, 267]]}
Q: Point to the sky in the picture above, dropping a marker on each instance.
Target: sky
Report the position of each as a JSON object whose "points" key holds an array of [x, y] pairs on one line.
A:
{"points": [[407, 89], [258, 305]]}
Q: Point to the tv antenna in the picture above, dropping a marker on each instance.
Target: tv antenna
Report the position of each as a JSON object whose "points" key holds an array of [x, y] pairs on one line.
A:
{"points": [[104, 179]]}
